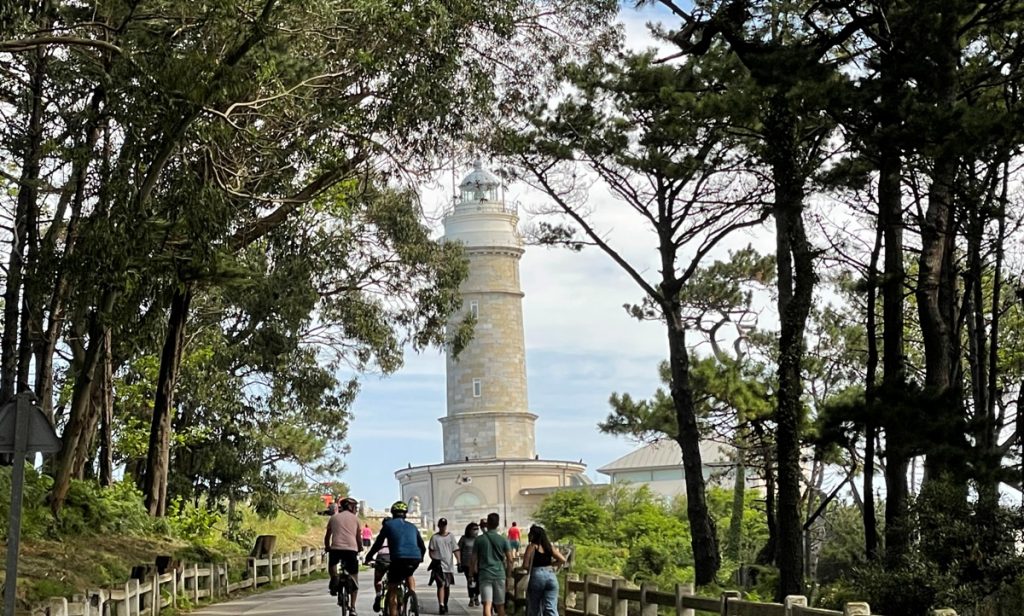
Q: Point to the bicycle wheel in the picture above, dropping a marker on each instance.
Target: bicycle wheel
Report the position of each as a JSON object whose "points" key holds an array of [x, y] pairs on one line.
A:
{"points": [[411, 607], [345, 594]]}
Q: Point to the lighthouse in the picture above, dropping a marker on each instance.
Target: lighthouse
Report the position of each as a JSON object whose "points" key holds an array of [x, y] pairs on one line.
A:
{"points": [[487, 403], [490, 462]]}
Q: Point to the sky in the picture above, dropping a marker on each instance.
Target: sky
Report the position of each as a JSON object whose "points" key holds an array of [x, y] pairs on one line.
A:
{"points": [[580, 347]]}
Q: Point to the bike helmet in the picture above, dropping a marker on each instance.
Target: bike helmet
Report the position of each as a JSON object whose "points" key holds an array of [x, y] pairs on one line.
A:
{"points": [[399, 508]]}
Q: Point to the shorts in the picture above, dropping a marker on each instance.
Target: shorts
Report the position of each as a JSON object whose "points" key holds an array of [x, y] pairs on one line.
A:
{"points": [[366, 543], [382, 562], [492, 591], [515, 545], [442, 579], [401, 569], [349, 560]]}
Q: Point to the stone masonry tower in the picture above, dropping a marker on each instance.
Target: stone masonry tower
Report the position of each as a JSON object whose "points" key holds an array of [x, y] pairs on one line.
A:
{"points": [[490, 463], [488, 416]]}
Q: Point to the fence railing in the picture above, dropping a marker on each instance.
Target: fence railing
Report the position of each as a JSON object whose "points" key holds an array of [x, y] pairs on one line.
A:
{"points": [[583, 597], [192, 581]]}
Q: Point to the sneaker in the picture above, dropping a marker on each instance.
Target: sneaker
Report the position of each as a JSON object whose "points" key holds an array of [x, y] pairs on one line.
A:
{"points": [[442, 610], [376, 603]]}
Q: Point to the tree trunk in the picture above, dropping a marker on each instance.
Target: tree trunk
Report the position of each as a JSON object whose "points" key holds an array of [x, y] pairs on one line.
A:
{"points": [[739, 493], [104, 400], [46, 343], [870, 396], [796, 280], [937, 281], [158, 457], [703, 536], [890, 218], [768, 552], [75, 432], [27, 202]]}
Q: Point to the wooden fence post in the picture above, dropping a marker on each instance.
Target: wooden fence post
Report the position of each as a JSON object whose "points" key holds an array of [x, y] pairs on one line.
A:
{"points": [[195, 584], [620, 607], [154, 595], [570, 596], [133, 591], [857, 608], [58, 606], [683, 590], [647, 609], [589, 599], [794, 600], [729, 594], [84, 601]]}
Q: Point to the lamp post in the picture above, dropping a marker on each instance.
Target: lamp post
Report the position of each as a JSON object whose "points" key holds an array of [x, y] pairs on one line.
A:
{"points": [[23, 430]]}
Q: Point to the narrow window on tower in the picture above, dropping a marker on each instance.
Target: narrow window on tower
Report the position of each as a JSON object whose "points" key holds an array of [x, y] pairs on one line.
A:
{"points": [[474, 309], [477, 388]]}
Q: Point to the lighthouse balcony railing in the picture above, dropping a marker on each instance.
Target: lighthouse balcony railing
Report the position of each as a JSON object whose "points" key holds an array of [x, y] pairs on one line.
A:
{"points": [[485, 206]]}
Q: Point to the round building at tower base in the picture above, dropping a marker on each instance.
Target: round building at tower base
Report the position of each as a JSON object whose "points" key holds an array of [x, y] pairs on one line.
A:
{"points": [[464, 492]]}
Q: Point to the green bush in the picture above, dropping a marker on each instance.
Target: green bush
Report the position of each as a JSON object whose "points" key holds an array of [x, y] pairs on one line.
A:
{"points": [[192, 523], [35, 515], [117, 510]]}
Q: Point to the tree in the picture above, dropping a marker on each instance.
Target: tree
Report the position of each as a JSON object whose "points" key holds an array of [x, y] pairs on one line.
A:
{"points": [[170, 151], [660, 142]]}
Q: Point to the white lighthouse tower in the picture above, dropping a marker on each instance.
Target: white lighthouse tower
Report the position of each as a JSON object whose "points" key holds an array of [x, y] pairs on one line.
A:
{"points": [[487, 409], [490, 459]]}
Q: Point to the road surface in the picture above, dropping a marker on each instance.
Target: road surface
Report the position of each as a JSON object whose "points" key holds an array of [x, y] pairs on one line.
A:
{"points": [[313, 598]]}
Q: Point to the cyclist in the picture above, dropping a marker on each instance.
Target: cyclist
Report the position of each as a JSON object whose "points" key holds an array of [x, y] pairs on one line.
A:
{"points": [[379, 569], [406, 550], [342, 545]]}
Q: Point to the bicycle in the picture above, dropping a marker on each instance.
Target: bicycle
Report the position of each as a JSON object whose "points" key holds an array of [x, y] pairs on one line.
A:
{"points": [[344, 590], [407, 601]]}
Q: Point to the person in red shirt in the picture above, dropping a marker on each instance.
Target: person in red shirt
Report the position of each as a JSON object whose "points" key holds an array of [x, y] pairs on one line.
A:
{"points": [[513, 539]]}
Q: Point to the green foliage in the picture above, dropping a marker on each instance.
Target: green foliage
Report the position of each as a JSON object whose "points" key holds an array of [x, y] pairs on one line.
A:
{"points": [[35, 518], [948, 568], [573, 515], [632, 532], [40, 590], [196, 523], [117, 510]]}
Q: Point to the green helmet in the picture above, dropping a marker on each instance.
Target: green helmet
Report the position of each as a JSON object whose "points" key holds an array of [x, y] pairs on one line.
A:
{"points": [[399, 508]]}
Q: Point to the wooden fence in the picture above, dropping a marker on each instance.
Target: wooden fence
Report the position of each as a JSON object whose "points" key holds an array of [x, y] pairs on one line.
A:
{"points": [[583, 597], [194, 582]]}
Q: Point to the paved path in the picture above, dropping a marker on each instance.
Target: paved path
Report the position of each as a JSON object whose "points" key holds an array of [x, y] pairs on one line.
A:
{"points": [[313, 598]]}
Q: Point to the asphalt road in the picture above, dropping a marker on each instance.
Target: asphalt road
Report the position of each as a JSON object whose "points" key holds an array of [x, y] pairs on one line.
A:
{"points": [[313, 598]]}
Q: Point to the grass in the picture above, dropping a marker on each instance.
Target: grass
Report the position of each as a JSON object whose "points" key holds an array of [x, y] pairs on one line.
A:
{"points": [[71, 565]]}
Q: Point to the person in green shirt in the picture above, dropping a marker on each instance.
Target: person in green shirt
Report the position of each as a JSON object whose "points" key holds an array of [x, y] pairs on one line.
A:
{"points": [[492, 558]]}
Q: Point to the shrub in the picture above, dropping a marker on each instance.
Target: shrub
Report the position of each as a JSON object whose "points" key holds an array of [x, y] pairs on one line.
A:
{"points": [[90, 510]]}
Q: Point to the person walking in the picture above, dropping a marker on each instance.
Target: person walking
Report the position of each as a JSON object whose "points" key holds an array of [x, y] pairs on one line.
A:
{"points": [[540, 560], [443, 550], [367, 536], [465, 557], [513, 540], [491, 558]]}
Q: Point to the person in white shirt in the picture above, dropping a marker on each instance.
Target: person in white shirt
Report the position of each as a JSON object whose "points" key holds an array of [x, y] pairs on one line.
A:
{"points": [[444, 553]]}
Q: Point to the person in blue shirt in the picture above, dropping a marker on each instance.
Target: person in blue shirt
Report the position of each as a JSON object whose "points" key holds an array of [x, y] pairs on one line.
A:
{"points": [[406, 548]]}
